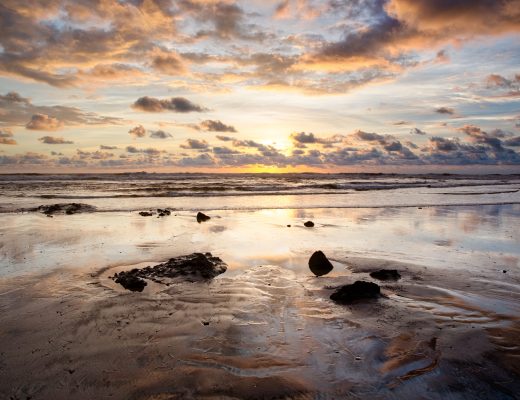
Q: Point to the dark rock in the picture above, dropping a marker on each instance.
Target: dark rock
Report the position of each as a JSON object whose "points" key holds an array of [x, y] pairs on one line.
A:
{"points": [[319, 264], [386, 275], [63, 208], [288, 226], [309, 224], [205, 323], [192, 268], [145, 213], [504, 271], [201, 217], [163, 213], [359, 290], [129, 281]]}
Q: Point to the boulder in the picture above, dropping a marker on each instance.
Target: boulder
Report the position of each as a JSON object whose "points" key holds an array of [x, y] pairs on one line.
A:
{"points": [[163, 213], [145, 213], [319, 264], [359, 290], [194, 267], [63, 208], [386, 275], [201, 217], [309, 224], [130, 282]]}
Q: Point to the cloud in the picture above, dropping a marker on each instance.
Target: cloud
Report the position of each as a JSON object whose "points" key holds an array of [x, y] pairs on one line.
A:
{"points": [[445, 110], [417, 131], [105, 147], [514, 141], [54, 140], [160, 134], [42, 122], [175, 104], [508, 87], [28, 158], [150, 151], [168, 63], [224, 150], [203, 159], [225, 20], [16, 110], [6, 136], [195, 144], [137, 131], [216, 126], [225, 138]]}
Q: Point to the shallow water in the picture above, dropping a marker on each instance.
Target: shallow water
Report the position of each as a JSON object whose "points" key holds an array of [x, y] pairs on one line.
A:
{"points": [[266, 328]]}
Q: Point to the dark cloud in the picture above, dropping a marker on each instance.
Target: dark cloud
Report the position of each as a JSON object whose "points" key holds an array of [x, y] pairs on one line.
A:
{"points": [[29, 158], [301, 139], [400, 123], [216, 126], [160, 134], [175, 104], [224, 150], [54, 140], [492, 138], [195, 144], [203, 159], [43, 122], [369, 137], [225, 138], [137, 131], [514, 141], [150, 151], [417, 131], [445, 110], [105, 147]]}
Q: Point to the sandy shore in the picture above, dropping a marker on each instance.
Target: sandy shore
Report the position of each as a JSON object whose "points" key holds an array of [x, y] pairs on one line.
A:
{"points": [[265, 329]]}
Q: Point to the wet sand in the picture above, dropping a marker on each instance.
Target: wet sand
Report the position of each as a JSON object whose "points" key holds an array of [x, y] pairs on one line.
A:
{"points": [[266, 328]]}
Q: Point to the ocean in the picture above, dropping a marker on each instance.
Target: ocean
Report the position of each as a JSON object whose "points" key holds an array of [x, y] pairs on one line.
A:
{"points": [[136, 191]]}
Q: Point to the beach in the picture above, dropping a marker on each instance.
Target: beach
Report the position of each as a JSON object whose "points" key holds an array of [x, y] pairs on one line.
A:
{"points": [[266, 328]]}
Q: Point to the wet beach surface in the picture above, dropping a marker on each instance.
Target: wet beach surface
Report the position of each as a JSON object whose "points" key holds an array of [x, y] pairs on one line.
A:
{"points": [[265, 328]]}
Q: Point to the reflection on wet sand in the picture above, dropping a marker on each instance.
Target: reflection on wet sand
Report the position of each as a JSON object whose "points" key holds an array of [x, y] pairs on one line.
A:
{"points": [[266, 328]]}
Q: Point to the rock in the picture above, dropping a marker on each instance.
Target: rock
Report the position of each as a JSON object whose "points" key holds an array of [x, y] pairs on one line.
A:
{"points": [[130, 282], [192, 268], [309, 224], [145, 213], [359, 290], [319, 264], [163, 213], [63, 208], [201, 217], [386, 275], [288, 226]]}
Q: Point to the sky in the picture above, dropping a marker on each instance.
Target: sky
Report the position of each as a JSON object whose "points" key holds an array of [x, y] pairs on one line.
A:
{"points": [[260, 86]]}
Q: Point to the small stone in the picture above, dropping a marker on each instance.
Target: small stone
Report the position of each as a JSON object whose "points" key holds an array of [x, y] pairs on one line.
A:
{"points": [[309, 224], [201, 217], [145, 213]]}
